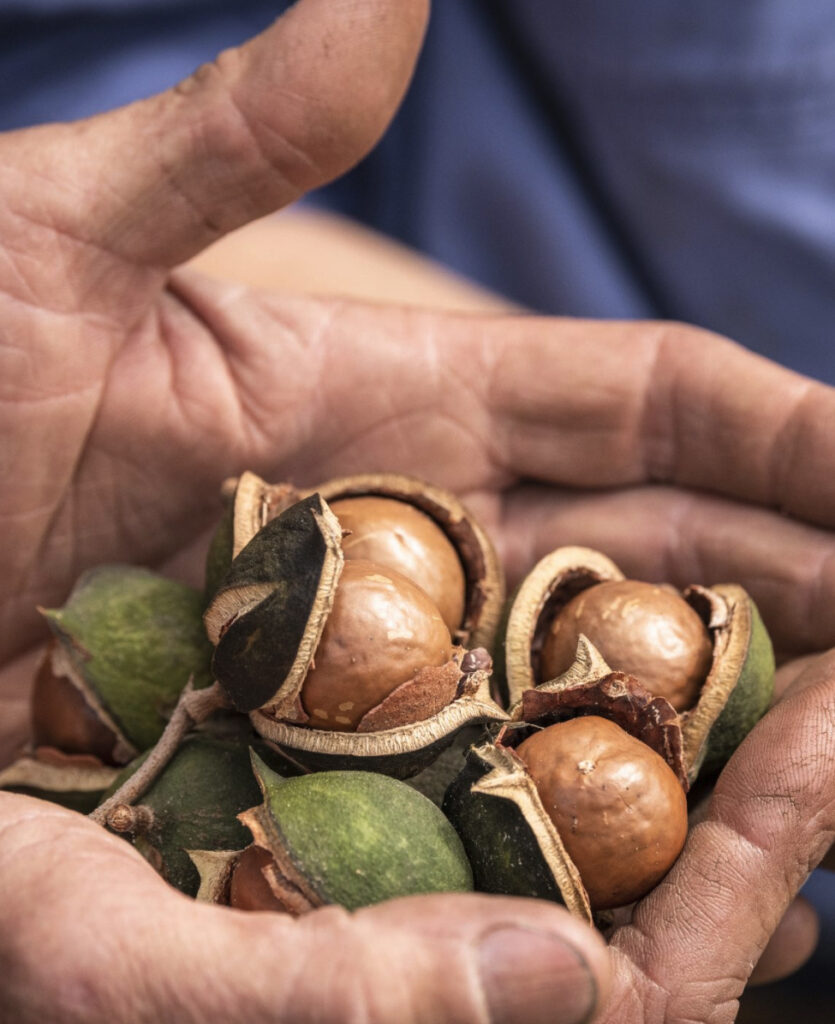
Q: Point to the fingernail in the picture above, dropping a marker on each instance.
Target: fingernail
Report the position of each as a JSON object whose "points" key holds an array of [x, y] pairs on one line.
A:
{"points": [[534, 977]]}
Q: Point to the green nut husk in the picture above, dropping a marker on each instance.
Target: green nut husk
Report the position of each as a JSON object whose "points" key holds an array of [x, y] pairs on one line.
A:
{"points": [[194, 803], [129, 640], [353, 838], [267, 618], [735, 694], [72, 781]]}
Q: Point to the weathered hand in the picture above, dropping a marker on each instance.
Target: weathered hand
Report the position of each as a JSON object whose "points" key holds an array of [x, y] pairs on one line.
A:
{"points": [[128, 391]]}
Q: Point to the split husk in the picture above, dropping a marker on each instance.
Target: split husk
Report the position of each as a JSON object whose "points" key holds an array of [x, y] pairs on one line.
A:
{"points": [[512, 843], [736, 692], [127, 641], [267, 619], [351, 838]]}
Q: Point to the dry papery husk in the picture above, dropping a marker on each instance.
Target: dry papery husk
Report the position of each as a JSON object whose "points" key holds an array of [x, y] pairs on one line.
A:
{"points": [[736, 692], [266, 620], [75, 781], [512, 843]]}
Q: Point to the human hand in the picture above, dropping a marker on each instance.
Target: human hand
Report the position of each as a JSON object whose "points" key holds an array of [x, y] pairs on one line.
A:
{"points": [[128, 392]]}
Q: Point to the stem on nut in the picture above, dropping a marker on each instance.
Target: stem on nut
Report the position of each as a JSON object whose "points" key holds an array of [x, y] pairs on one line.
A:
{"points": [[193, 707]]}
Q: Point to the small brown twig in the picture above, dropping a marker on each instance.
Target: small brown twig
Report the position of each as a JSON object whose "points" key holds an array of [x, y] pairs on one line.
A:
{"points": [[193, 707]]}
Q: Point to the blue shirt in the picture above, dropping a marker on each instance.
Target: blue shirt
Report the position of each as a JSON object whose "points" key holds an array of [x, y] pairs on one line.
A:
{"points": [[584, 157]]}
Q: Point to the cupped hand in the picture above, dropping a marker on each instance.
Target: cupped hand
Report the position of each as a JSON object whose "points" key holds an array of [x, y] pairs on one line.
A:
{"points": [[130, 389]]}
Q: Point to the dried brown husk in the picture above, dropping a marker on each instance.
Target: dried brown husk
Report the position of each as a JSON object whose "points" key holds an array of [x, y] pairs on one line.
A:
{"points": [[269, 612], [741, 671]]}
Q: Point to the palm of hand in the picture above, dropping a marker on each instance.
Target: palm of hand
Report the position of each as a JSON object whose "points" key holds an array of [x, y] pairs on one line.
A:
{"points": [[127, 395]]}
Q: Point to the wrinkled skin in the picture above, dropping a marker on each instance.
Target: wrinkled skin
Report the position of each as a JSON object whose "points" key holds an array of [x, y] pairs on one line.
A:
{"points": [[128, 390]]}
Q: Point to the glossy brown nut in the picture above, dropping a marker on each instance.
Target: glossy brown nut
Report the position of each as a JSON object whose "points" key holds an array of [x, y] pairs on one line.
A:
{"points": [[618, 807], [63, 719], [399, 536], [382, 630], [649, 631], [248, 887]]}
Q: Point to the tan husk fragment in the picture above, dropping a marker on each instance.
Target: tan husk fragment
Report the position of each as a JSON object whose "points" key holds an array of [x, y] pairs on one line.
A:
{"points": [[551, 584], [483, 571], [215, 868], [53, 771], [256, 503], [726, 610], [510, 780], [286, 702]]}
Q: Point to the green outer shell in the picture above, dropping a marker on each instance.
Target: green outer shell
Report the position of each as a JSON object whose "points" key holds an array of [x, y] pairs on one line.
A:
{"points": [[361, 838], [135, 638], [500, 845], [196, 800], [749, 700]]}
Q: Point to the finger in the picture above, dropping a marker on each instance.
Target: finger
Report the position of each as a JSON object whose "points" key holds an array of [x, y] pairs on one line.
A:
{"points": [[157, 956], [699, 935], [790, 946], [666, 534], [591, 404], [156, 182]]}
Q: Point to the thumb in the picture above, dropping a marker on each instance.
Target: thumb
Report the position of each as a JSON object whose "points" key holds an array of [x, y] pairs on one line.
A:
{"points": [[159, 180], [428, 958]]}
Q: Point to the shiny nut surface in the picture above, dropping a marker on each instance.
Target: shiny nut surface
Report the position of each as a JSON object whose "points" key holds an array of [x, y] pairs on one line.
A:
{"points": [[619, 809], [63, 719], [382, 630], [248, 887], [399, 536], [649, 631]]}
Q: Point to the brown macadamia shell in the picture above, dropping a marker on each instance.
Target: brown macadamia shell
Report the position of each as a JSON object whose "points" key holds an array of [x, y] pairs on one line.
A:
{"points": [[62, 717], [399, 536], [646, 630], [382, 630], [616, 804], [248, 886]]}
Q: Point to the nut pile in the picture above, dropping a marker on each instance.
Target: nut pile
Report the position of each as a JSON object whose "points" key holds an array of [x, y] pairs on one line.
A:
{"points": [[355, 636]]}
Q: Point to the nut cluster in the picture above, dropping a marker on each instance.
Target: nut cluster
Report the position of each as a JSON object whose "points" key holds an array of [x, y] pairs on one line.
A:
{"points": [[346, 635]]}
